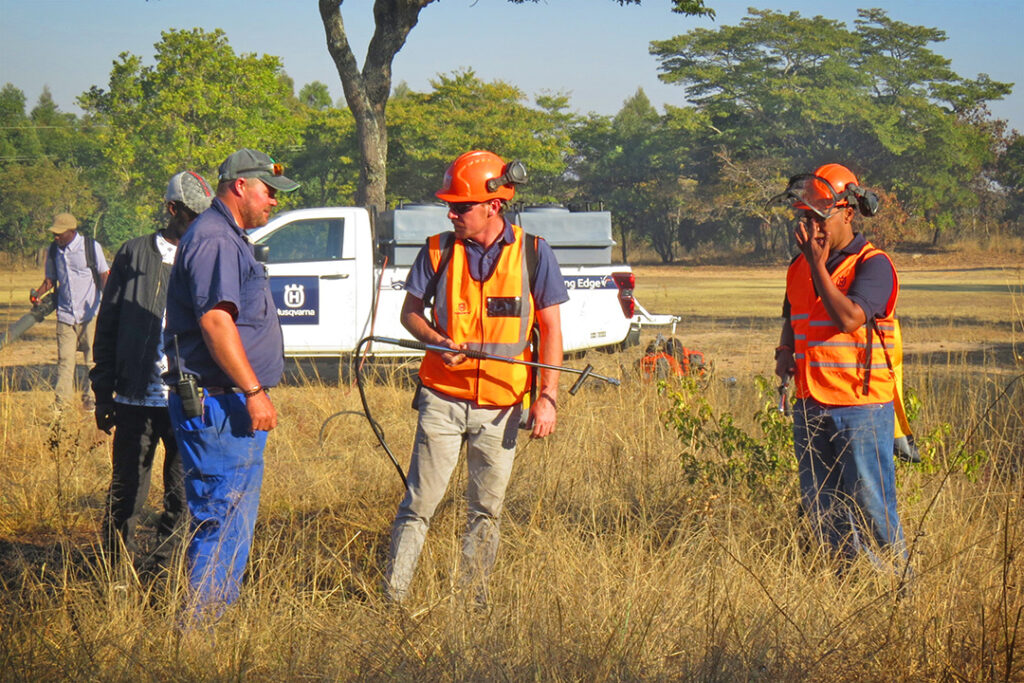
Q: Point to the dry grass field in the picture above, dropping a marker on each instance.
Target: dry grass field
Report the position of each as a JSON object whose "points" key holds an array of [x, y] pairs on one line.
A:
{"points": [[655, 536]]}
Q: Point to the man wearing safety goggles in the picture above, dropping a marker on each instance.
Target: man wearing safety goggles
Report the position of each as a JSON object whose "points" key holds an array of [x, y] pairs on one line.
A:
{"points": [[838, 336]]}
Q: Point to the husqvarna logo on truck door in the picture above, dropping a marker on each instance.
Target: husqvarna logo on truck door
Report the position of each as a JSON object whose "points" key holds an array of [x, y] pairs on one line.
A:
{"points": [[297, 299], [294, 296]]}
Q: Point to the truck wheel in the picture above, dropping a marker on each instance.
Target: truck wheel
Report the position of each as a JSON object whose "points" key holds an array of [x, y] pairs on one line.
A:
{"points": [[632, 339]]}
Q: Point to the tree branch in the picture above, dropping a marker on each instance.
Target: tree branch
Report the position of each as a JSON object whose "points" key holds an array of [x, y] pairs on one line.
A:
{"points": [[341, 53]]}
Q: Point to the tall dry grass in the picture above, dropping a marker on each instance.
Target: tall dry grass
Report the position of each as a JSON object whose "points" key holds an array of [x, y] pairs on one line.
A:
{"points": [[617, 562], [643, 541]]}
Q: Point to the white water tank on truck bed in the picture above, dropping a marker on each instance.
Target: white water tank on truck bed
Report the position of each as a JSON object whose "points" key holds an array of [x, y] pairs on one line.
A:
{"points": [[578, 238]]}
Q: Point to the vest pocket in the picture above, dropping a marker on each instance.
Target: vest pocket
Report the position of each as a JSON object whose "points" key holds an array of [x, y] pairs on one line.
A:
{"points": [[504, 306]]}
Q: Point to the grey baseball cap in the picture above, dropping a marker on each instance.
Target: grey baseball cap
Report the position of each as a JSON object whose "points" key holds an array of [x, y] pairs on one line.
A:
{"points": [[250, 163], [63, 222], [190, 189]]}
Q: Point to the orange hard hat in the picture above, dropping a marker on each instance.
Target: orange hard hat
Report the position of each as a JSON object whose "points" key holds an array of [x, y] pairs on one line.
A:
{"points": [[830, 187], [466, 179], [839, 177]]}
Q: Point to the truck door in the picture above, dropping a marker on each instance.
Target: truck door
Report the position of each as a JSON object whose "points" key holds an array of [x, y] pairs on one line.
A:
{"points": [[313, 284]]}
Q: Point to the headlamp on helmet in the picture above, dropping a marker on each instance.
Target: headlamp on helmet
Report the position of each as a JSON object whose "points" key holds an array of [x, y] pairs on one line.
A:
{"points": [[480, 176]]}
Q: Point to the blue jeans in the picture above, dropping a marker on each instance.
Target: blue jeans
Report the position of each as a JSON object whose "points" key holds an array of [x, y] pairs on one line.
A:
{"points": [[847, 477], [223, 463]]}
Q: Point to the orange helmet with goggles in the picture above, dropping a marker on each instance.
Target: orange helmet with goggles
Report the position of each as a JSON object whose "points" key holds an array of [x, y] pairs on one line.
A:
{"points": [[830, 187], [479, 176]]}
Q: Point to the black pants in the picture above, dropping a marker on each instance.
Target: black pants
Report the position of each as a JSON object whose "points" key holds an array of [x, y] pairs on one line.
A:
{"points": [[137, 431]]}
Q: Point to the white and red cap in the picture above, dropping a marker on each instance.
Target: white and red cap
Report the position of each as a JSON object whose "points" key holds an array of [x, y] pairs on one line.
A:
{"points": [[190, 189]]}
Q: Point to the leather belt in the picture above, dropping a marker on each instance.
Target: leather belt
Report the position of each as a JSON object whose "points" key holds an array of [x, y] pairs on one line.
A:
{"points": [[212, 391], [217, 391]]}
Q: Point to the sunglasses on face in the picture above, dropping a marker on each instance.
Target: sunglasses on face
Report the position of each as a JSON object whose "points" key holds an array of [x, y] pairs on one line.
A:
{"points": [[459, 208]]}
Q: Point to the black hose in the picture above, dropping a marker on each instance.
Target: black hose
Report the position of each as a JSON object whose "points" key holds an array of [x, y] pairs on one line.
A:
{"points": [[585, 374], [377, 430]]}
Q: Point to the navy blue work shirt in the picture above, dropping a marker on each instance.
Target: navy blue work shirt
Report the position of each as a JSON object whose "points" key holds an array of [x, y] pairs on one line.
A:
{"points": [[872, 283], [215, 264], [549, 287]]}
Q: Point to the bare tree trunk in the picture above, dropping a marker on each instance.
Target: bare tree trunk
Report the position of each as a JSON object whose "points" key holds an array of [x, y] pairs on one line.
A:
{"points": [[367, 92], [371, 128]]}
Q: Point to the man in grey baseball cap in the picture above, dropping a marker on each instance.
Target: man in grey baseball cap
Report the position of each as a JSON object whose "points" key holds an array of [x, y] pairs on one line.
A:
{"points": [[228, 352], [130, 395], [250, 163]]}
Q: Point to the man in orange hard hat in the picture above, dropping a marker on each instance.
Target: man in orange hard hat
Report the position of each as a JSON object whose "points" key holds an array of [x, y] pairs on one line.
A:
{"points": [[487, 284], [838, 337]]}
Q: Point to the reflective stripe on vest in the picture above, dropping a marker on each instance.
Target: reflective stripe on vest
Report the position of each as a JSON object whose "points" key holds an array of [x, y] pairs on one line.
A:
{"points": [[833, 367], [461, 310]]}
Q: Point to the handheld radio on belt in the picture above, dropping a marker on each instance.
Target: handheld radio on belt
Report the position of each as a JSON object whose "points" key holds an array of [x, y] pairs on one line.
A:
{"points": [[187, 389]]}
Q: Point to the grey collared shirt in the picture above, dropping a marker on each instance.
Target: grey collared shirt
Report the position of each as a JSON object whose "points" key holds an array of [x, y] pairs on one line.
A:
{"points": [[77, 296]]}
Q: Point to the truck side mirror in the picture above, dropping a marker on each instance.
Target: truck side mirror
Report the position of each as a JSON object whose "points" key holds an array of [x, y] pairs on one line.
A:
{"points": [[261, 252]]}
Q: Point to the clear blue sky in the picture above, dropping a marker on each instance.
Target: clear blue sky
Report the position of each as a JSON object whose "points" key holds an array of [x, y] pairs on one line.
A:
{"points": [[593, 50]]}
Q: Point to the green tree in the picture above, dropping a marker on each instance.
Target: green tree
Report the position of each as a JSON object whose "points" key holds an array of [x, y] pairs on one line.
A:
{"points": [[33, 193], [367, 90], [462, 112], [327, 161], [198, 103], [776, 84], [634, 163], [781, 91], [57, 131], [1010, 176], [942, 146], [42, 174], [18, 139], [315, 95]]}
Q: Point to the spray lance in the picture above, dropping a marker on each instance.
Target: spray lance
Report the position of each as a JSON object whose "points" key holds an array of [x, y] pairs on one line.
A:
{"points": [[584, 374]]}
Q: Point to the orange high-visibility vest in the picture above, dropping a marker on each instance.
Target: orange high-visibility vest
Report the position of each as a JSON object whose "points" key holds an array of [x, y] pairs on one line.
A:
{"points": [[834, 367], [494, 316]]}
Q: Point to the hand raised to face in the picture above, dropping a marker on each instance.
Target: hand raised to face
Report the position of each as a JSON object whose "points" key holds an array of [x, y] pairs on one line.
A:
{"points": [[813, 237]]}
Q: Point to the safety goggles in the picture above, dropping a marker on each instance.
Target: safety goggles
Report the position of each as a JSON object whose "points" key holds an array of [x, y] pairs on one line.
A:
{"points": [[809, 192], [273, 168], [459, 208]]}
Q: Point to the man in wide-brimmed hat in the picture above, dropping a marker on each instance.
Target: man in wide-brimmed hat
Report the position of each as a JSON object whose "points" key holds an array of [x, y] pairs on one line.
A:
{"points": [[75, 265]]}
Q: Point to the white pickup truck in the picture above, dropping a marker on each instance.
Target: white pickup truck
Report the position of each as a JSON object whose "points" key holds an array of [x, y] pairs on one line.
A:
{"points": [[334, 284]]}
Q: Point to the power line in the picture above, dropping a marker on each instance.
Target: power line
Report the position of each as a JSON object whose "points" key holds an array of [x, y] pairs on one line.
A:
{"points": [[84, 125]]}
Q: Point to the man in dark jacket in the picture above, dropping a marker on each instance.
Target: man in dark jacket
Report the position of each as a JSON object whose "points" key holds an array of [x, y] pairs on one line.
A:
{"points": [[129, 357]]}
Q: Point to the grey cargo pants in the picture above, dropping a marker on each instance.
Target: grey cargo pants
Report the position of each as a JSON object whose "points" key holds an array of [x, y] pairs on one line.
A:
{"points": [[491, 435]]}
